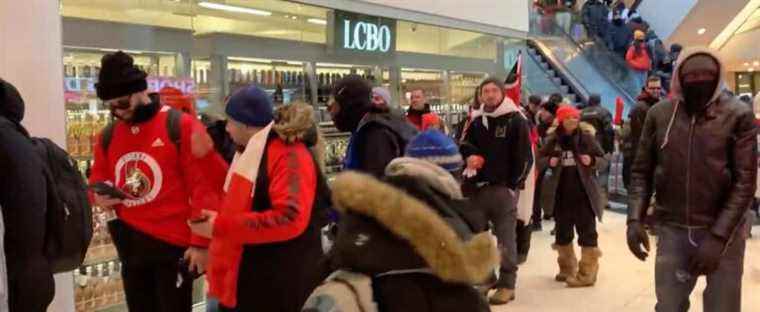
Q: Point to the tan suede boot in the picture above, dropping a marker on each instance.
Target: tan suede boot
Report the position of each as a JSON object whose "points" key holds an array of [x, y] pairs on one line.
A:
{"points": [[568, 263], [589, 268], [502, 296]]}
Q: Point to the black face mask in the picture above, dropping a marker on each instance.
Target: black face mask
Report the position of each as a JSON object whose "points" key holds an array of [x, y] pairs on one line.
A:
{"points": [[617, 22], [347, 119], [698, 94]]}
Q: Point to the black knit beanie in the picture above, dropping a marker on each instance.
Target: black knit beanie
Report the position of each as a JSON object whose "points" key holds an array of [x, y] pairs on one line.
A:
{"points": [[353, 93], [119, 77]]}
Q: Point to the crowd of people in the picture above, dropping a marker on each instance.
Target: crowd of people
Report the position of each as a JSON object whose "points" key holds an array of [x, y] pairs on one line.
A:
{"points": [[621, 29], [422, 218]]}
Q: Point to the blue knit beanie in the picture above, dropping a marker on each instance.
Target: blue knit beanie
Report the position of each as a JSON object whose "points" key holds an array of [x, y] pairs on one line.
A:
{"points": [[250, 106], [435, 147]]}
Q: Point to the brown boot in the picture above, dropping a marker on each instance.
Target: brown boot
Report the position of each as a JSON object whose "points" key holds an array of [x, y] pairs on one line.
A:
{"points": [[502, 296], [568, 263], [589, 268]]}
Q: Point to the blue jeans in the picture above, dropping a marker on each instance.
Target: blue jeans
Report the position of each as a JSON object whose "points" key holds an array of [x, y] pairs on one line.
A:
{"points": [[674, 284], [640, 79], [212, 305]]}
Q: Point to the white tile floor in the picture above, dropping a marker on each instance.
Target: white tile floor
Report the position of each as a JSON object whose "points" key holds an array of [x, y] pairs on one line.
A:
{"points": [[625, 284]]}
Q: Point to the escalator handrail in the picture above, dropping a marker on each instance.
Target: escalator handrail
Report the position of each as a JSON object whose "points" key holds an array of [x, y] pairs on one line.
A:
{"points": [[546, 71], [574, 83], [621, 90]]}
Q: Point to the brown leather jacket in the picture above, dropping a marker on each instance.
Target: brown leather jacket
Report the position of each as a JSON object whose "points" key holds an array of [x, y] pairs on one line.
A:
{"points": [[702, 168]]}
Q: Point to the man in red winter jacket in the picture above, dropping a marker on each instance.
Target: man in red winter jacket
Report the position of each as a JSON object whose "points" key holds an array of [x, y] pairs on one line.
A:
{"points": [[265, 240], [165, 176]]}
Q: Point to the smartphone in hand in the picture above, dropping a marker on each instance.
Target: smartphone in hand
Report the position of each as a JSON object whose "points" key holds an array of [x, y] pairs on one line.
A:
{"points": [[105, 189]]}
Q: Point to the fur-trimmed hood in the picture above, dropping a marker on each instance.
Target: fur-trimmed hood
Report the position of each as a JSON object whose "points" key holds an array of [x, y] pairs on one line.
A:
{"points": [[584, 126], [445, 253], [438, 178], [295, 122]]}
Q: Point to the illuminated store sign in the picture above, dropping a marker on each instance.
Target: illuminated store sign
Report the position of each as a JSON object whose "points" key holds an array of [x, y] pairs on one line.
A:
{"points": [[187, 86], [364, 33]]}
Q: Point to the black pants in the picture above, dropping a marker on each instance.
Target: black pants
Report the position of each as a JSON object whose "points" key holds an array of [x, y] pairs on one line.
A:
{"points": [[575, 215], [150, 272], [30, 287], [536, 217], [627, 167], [523, 235]]}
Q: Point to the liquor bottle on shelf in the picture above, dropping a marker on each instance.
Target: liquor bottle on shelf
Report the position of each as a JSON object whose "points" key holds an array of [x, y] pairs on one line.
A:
{"points": [[307, 88], [279, 96]]}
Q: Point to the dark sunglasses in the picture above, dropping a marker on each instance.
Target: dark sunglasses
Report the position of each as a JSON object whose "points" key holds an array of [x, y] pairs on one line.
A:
{"points": [[121, 103]]}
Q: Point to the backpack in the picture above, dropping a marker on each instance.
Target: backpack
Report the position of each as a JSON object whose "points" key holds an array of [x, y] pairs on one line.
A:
{"points": [[172, 125], [69, 214], [343, 291]]}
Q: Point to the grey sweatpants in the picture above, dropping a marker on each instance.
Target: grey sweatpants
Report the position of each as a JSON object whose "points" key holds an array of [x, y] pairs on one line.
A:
{"points": [[499, 205]]}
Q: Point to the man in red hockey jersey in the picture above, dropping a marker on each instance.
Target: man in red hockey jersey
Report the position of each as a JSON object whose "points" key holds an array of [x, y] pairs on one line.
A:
{"points": [[164, 171]]}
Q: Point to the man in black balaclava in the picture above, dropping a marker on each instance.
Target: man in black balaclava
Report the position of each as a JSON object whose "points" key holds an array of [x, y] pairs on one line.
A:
{"points": [[377, 136], [698, 155], [23, 199]]}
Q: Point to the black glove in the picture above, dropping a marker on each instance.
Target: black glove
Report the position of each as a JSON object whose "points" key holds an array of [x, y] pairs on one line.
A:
{"points": [[708, 256], [637, 237]]}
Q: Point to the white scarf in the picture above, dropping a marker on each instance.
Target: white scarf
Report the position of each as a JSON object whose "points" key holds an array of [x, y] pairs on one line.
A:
{"points": [[507, 106]]}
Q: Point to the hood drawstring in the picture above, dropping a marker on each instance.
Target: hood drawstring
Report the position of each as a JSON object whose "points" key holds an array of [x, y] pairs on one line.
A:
{"points": [[670, 125]]}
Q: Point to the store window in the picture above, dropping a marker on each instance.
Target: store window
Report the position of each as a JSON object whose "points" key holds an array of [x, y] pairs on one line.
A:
{"points": [[746, 83], [427, 39], [208, 49]]}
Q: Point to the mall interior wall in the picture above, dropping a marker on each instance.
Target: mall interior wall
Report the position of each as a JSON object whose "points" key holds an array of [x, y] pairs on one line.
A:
{"points": [[665, 16], [30, 58], [500, 17]]}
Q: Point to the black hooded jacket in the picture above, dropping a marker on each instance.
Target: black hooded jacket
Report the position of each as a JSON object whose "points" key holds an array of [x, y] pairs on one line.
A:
{"points": [[23, 201]]}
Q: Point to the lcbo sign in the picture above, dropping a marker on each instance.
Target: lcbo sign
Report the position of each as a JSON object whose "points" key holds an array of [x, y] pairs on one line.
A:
{"points": [[366, 37], [362, 33]]}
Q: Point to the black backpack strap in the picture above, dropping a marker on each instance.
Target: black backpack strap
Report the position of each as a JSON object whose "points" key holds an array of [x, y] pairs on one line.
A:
{"points": [[173, 122], [173, 125], [107, 135]]}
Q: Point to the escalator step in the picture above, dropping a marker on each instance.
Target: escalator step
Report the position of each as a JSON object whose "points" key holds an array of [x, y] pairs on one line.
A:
{"points": [[557, 80], [565, 89], [545, 65], [551, 73]]}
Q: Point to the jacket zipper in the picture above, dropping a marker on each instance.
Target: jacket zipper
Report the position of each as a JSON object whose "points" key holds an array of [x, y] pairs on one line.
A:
{"points": [[688, 179]]}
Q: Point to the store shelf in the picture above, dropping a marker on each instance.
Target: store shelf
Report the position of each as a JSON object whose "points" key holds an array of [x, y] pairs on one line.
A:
{"points": [[119, 307]]}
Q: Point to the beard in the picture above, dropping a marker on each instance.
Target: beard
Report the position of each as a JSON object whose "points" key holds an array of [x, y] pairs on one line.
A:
{"points": [[142, 112]]}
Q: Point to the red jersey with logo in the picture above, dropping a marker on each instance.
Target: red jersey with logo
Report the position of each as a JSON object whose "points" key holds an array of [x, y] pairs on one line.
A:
{"points": [[166, 185]]}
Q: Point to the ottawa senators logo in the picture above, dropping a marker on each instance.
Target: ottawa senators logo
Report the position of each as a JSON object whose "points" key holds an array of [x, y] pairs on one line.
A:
{"points": [[139, 175]]}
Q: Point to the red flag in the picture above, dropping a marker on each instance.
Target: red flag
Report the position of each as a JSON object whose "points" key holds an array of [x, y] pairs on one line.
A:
{"points": [[513, 83], [619, 106]]}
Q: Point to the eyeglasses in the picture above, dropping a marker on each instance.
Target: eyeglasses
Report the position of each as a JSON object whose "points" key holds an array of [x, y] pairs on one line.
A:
{"points": [[123, 103]]}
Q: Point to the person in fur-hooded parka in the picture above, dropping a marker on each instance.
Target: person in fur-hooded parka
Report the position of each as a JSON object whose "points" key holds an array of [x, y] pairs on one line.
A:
{"points": [[572, 153], [403, 233]]}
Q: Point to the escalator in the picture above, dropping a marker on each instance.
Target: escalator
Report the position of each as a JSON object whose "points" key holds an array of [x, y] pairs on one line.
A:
{"points": [[583, 65]]}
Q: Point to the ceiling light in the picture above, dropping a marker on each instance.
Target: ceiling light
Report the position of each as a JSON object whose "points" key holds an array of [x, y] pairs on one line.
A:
{"points": [[317, 21], [746, 64], [701, 31], [756, 63], [231, 8], [751, 70]]}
